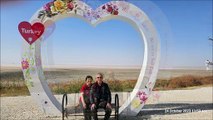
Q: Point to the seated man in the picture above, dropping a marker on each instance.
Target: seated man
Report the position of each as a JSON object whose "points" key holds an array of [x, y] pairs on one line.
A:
{"points": [[100, 97]]}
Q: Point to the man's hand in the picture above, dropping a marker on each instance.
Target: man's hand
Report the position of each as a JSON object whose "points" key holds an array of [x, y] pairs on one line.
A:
{"points": [[109, 105], [93, 106]]}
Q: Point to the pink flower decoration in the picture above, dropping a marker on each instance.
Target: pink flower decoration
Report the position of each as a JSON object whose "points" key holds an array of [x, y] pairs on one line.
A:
{"points": [[47, 6], [139, 93], [25, 64], [104, 7], [115, 12], [142, 96], [110, 8], [70, 5]]}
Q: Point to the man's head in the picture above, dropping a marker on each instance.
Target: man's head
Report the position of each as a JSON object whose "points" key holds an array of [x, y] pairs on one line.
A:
{"points": [[99, 78], [88, 80]]}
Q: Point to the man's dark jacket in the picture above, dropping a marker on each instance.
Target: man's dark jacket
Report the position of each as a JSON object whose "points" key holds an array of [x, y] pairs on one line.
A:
{"points": [[100, 93]]}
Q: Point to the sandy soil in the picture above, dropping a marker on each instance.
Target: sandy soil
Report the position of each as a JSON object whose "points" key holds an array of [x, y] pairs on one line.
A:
{"points": [[193, 104]]}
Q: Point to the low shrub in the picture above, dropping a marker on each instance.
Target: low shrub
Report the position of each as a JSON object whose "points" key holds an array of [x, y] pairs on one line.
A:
{"points": [[18, 87]]}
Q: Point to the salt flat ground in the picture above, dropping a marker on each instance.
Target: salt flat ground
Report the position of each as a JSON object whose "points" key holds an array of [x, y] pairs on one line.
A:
{"points": [[69, 74], [191, 104]]}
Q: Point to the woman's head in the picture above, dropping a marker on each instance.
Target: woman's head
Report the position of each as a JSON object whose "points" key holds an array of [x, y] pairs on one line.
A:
{"points": [[88, 80]]}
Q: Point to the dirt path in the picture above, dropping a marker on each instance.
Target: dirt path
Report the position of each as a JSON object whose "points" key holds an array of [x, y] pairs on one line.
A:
{"points": [[194, 104]]}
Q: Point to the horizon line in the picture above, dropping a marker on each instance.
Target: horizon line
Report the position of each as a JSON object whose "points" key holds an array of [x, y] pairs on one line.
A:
{"points": [[107, 67]]}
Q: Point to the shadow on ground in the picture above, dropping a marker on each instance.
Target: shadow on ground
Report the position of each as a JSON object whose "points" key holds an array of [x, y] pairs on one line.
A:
{"points": [[168, 109], [172, 108], [151, 110]]}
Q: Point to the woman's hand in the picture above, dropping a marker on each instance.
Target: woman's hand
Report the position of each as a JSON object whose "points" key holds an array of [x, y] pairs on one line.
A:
{"points": [[84, 105], [109, 105]]}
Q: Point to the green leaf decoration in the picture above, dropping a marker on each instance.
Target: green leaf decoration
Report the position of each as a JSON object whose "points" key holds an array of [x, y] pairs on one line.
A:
{"points": [[32, 62], [29, 83]]}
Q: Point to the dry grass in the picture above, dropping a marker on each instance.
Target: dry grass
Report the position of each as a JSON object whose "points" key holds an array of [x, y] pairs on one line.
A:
{"points": [[66, 87], [18, 87], [183, 82]]}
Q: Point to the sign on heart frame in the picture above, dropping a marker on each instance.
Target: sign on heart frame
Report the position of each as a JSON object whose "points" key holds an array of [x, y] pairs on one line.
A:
{"points": [[31, 32], [57, 10]]}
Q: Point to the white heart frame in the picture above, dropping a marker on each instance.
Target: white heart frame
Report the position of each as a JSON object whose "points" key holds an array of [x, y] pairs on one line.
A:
{"points": [[31, 56]]}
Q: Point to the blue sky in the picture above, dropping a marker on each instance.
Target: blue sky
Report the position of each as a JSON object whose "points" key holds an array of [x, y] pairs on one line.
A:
{"points": [[184, 28]]}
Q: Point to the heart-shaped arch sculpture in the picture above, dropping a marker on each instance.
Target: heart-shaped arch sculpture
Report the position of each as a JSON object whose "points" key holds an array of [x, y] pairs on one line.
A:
{"points": [[31, 58]]}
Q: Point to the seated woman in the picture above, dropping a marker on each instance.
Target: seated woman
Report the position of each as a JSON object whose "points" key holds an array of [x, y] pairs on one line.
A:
{"points": [[85, 97]]}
